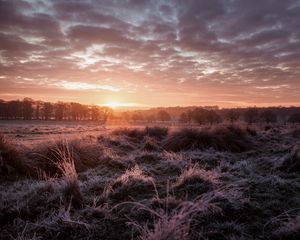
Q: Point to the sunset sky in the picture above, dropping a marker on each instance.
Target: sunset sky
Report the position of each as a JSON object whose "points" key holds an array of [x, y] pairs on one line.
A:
{"points": [[142, 53]]}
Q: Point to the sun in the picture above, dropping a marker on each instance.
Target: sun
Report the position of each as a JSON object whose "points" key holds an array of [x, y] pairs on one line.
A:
{"points": [[115, 105]]}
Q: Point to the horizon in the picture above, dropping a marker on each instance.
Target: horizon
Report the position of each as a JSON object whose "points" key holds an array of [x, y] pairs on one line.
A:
{"points": [[121, 107], [149, 54]]}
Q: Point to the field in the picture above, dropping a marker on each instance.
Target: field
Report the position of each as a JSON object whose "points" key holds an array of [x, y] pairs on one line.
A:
{"points": [[69, 181]]}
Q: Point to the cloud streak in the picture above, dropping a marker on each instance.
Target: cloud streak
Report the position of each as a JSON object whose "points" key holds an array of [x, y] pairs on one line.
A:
{"points": [[152, 49]]}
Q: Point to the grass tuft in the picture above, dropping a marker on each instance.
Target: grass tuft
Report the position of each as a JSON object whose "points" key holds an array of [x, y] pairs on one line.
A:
{"points": [[229, 138], [131, 185]]}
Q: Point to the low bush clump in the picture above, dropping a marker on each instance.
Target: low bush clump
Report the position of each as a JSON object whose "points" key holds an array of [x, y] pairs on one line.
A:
{"points": [[193, 182], [49, 157], [133, 184], [150, 145], [292, 161], [228, 138], [11, 163], [139, 134]]}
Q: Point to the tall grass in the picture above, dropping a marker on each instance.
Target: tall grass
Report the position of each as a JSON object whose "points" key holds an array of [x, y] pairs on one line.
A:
{"points": [[228, 138], [67, 167]]}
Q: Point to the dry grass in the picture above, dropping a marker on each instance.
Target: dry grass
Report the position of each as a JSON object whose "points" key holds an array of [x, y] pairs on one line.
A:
{"points": [[193, 182], [292, 161], [189, 184], [131, 185], [139, 134], [11, 163], [228, 138], [65, 163]]}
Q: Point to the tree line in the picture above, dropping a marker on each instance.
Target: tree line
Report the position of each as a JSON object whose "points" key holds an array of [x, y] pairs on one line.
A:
{"points": [[29, 109], [200, 116]]}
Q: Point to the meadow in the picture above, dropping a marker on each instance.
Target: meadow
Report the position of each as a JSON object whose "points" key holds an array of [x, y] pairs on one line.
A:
{"points": [[223, 181]]}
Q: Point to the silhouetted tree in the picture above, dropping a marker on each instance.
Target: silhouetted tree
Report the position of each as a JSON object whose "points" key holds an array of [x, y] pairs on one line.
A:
{"points": [[137, 117], [47, 110], [163, 116], [60, 108], [204, 116], [38, 105], [27, 108], [268, 116], [95, 113], [125, 116], [251, 115], [233, 115], [294, 118], [189, 115], [106, 113], [150, 118], [14, 109], [183, 118]]}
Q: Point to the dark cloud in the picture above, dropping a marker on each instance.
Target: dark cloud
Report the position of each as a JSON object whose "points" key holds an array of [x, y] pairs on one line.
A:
{"points": [[157, 46]]}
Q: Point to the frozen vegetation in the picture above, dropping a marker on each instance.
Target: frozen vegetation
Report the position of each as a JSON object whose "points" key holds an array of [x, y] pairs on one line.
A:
{"points": [[152, 183]]}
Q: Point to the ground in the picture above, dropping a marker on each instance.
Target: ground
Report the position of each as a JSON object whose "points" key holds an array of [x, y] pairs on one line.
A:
{"points": [[72, 181]]}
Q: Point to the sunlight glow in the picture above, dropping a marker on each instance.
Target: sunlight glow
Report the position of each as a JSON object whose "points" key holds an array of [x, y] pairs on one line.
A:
{"points": [[87, 86], [115, 105]]}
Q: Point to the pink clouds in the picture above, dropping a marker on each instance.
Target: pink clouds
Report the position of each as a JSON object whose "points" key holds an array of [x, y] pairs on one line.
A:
{"points": [[230, 48]]}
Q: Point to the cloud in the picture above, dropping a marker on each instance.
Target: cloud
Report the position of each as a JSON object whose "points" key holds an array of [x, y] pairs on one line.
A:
{"points": [[86, 86], [231, 48]]}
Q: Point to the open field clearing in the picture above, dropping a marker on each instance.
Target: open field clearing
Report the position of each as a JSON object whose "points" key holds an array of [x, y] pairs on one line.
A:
{"points": [[90, 182]]}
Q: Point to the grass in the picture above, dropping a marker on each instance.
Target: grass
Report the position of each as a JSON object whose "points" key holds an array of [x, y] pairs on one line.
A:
{"points": [[292, 161], [219, 182], [138, 134], [228, 138], [11, 163], [193, 182]]}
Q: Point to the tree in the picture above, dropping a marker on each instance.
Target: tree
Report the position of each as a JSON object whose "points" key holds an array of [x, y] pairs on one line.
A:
{"points": [[60, 108], [125, 116], [150, 118], [183, 118], [204, 116], [268, 116], [27, 108], [106, 113], [38, 105], [137, 117], [47, 110], [163, 116], [233, 115], [251, 115], [294, 118], [14, 109], [95, 113], [189, 115]]}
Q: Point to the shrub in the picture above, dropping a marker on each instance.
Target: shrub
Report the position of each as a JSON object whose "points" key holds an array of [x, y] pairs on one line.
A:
{"points": [[11, 163], [223, 139], [294, 118], [150, 145], [67, 167], [193, 182], [131, 185], [50, 156], [292, 162], [139, 134]]}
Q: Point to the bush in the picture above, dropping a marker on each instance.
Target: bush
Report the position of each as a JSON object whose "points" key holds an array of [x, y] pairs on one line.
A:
{"points": [[292, 162], [294, 118], [193, 182], [11, 163], [49, 157], [131, 185], [228, 138], [139, 134]]}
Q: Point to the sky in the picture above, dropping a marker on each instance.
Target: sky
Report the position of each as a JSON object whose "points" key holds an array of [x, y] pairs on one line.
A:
{"points": [[144, 53]]}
